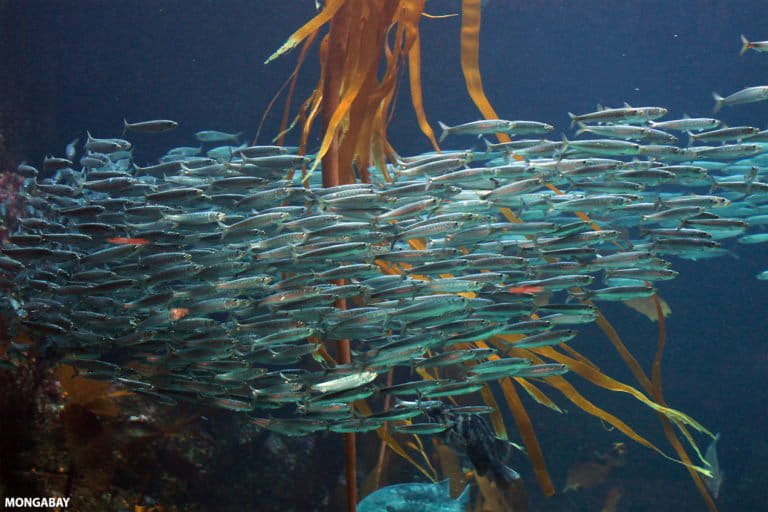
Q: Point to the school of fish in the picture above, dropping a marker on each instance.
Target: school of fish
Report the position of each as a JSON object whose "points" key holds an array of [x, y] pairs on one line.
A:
{"points": [[217, 277]]}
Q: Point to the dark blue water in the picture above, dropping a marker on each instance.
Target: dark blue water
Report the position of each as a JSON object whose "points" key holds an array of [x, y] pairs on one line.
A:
{"points": [[67, 66]]}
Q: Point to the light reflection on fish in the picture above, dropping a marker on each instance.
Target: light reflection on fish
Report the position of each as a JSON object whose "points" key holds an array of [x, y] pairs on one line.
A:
{"points": [[218, 276], [716, 480]]}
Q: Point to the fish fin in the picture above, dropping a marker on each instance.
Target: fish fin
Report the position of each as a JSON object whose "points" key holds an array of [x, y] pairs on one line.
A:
{"points": [[571, 184], [627, 105], [463, 498], [660, 204], [719, 102], [482, 194], [446, 131], [469, 154], [573, 118], [397, 158], [745, 45], [508, 474], [236, 137], [563, 149], [750, 176]]}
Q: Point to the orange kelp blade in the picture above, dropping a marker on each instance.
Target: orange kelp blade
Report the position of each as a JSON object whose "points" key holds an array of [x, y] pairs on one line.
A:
{"points": [[414, 75], [652, 388], [527, 433], [659, 397], [470, 60], [602, 380], [308, 29], [579, 400], [360, 83], [394, 445]]}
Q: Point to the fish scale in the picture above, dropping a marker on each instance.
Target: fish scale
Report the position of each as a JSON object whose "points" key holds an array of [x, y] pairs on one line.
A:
{"points": [[223, 272]]}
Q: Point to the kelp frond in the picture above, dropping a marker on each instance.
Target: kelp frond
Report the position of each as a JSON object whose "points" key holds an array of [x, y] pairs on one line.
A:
{"points": [[470, 60], [356, 95], [309, 28]]}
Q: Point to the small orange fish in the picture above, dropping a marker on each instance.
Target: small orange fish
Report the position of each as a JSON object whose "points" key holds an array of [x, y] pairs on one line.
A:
{"points": [[525, 289], [178, 313], [124, 240]]}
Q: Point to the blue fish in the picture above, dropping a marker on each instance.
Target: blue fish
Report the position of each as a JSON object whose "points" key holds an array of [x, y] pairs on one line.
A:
{"points": [[415, 497]]}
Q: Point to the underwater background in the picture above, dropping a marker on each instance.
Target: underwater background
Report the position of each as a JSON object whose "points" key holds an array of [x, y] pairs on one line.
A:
{"points": [[68, 66]]}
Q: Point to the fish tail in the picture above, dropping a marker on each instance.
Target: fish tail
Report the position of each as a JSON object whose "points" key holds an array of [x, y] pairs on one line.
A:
{"points": [[446, 131], [505, 473], [573, 119], [719, 102], [563, 149], [487, 145], [691, 138], [745, 45], [582, 128], [471, 151], [571, 184], [125, 127]]}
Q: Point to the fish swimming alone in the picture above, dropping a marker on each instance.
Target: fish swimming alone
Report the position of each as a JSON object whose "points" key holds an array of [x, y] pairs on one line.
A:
{"points": [[746, 95], [758, 46], [217, 136], [713, 482], [473, 436], [152, 126], [415, 497]]}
